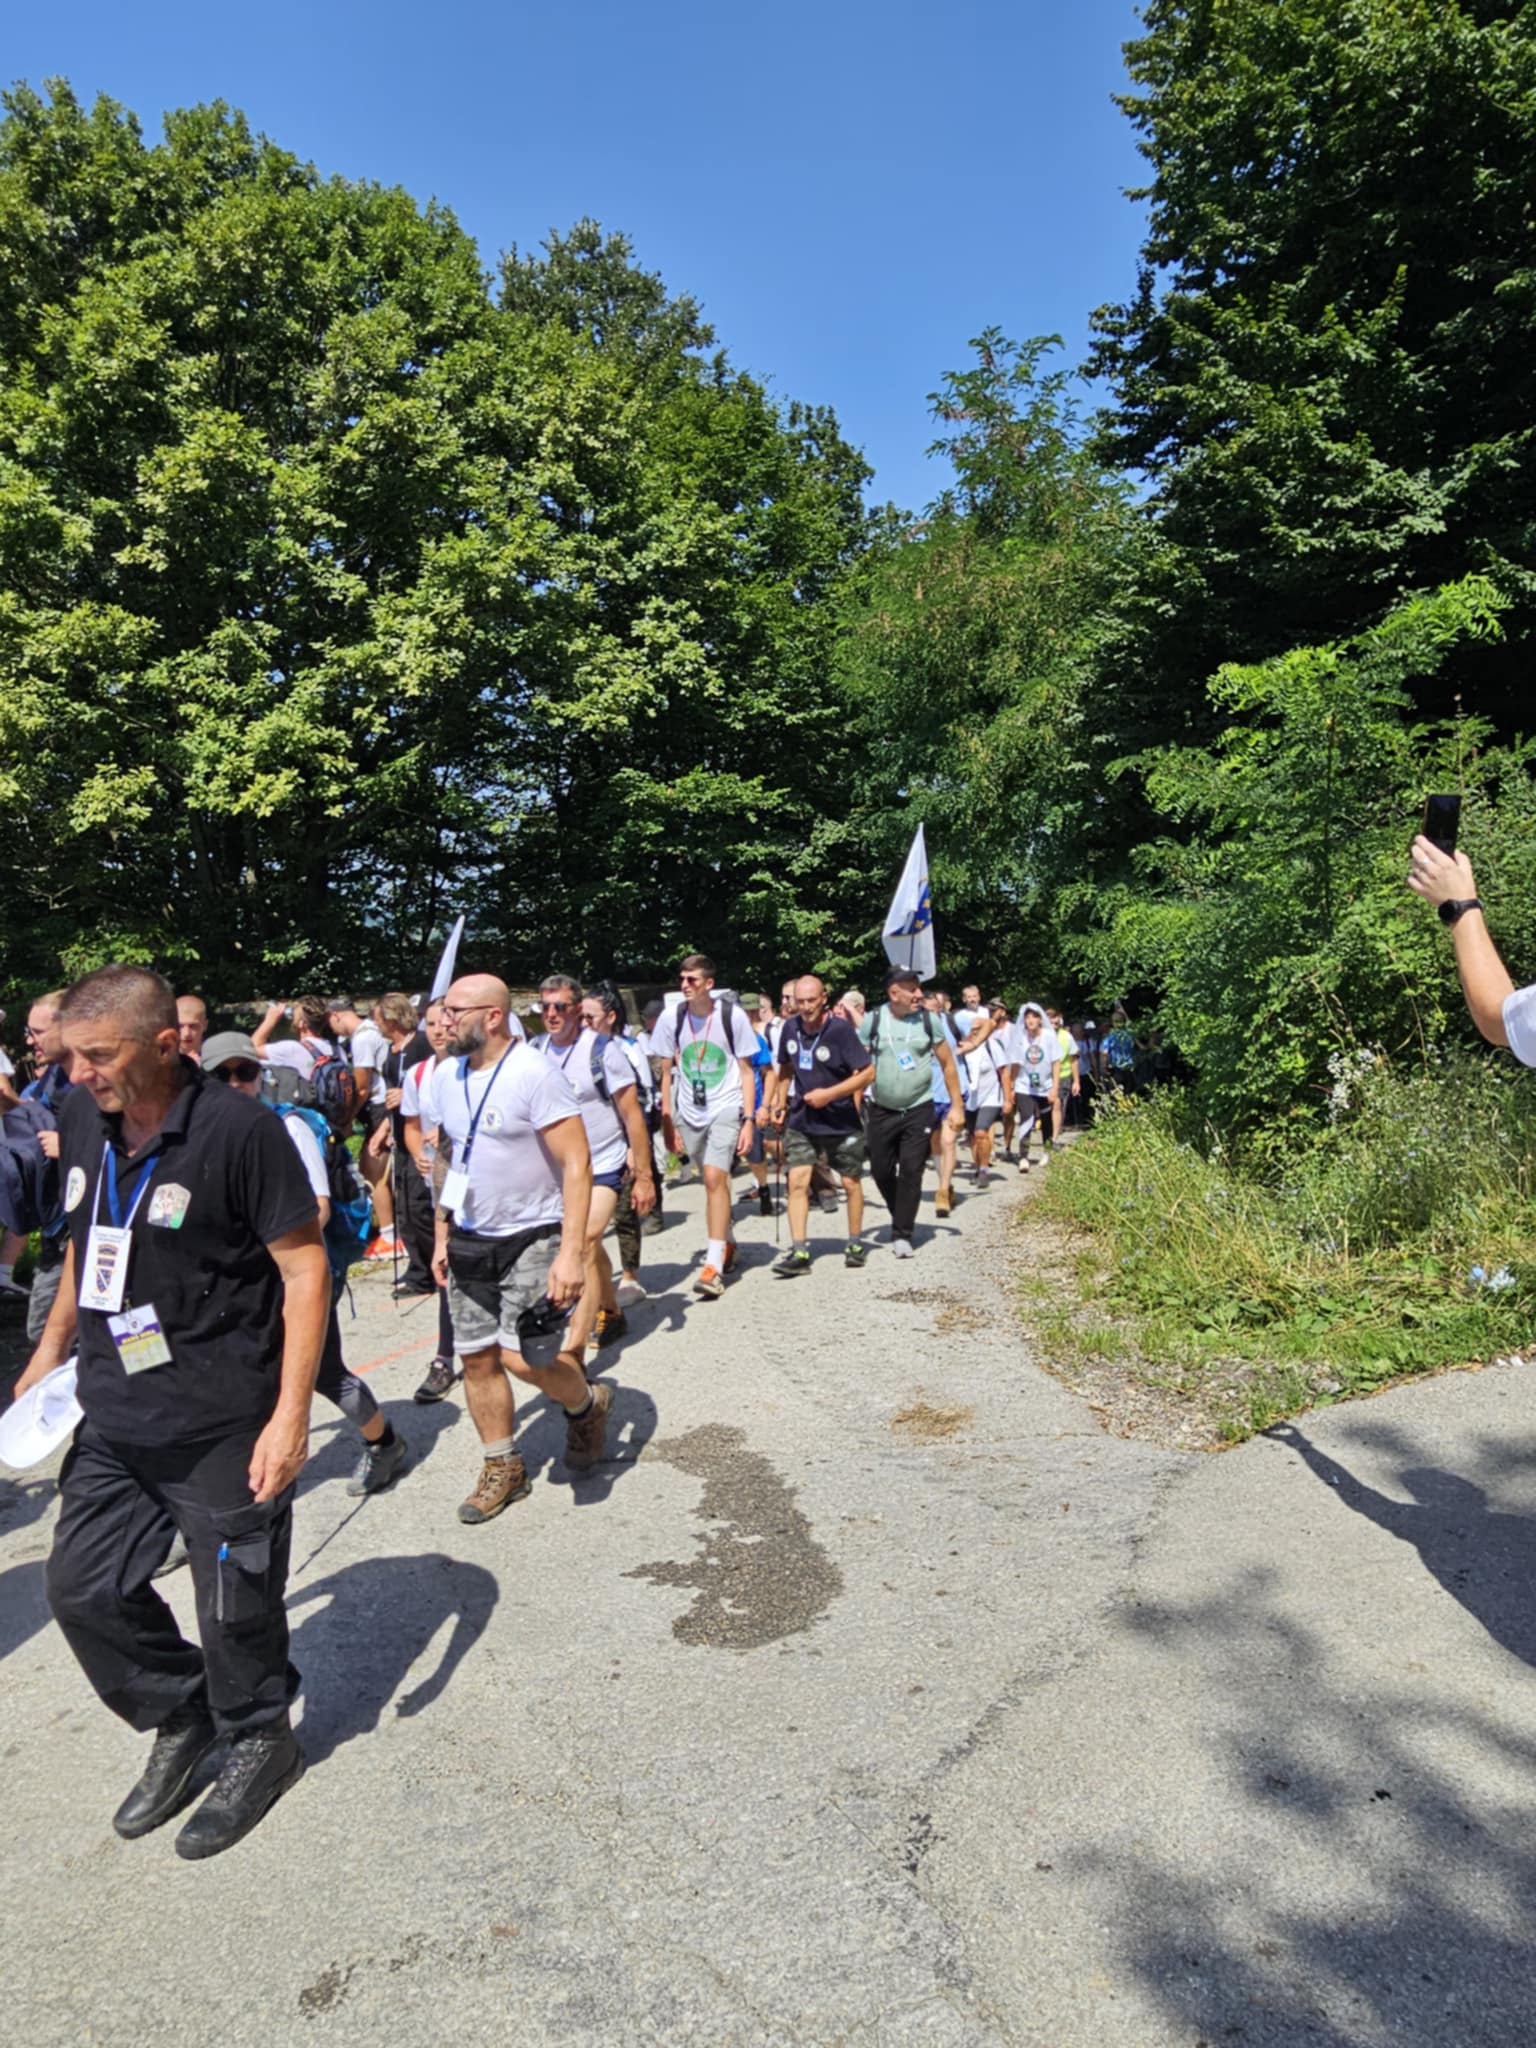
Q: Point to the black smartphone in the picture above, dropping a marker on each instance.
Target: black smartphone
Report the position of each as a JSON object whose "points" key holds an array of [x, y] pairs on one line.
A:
{"points": [[1442, 814]]}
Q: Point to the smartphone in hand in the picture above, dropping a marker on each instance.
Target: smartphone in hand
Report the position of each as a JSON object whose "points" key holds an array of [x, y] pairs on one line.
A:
{"points": [[1442, 815]]}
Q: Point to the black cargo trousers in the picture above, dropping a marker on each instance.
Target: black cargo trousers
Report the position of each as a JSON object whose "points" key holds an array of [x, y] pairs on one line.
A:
{"points": [[119, 1504]]}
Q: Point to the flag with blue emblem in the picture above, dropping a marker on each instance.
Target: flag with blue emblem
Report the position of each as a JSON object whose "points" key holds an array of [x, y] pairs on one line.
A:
{"points": [[909, 926]]}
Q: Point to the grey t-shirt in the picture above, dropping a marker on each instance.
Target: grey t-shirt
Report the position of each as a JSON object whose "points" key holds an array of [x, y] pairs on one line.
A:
{"points": [[903, 1057]]}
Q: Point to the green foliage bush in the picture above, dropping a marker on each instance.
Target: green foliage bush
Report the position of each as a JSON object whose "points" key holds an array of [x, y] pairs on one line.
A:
{"points": [[1401, 1241]]}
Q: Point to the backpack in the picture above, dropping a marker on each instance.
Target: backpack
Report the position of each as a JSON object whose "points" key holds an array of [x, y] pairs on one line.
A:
{"points": [[873, 1043], [350, 1224], [330, 1089], [29, 1181]]}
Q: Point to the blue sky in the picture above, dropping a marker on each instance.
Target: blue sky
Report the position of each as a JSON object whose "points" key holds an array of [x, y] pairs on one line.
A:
{"points": [[851, 190]]}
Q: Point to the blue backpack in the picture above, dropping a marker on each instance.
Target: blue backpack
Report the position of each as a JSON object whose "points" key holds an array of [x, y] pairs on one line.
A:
{"points": [[350, 1223]]}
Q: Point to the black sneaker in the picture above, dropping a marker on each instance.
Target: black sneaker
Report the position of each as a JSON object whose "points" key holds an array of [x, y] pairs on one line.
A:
{"points": [[438, 1382], [855, 1253], [791, 1264], [259, 1769], [181, 1743], [379, 1464]]}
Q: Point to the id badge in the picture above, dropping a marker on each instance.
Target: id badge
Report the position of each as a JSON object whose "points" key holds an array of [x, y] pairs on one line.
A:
{"points": [[139, 1339], [106, 1268], [905, 1061], [807, 1065], [455, 1189], [700, 1096]]}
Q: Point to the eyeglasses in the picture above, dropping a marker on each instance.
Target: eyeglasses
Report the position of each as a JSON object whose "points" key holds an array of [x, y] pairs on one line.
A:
{"points": [[28, 1032], [451, 1016], [558, 1008], [237, 1070]]}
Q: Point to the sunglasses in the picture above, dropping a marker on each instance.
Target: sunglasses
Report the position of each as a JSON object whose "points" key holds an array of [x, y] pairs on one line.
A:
{"points": [[558, 1008], [690, 980], [238, 1070]]}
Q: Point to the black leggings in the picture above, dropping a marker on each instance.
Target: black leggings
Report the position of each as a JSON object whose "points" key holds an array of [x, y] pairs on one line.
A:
{"points": [[1036, 1109]]}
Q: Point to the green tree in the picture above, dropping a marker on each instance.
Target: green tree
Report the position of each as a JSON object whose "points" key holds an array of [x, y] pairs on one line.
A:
{"points": [[972, 638], [1326, 372], [1272, 916]]}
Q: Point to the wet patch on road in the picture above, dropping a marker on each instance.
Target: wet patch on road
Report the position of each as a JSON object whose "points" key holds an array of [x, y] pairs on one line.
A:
{"points": [[760, 1574]]}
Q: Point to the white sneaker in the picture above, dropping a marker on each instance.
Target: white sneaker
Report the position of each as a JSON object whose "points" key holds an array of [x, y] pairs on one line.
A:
{"points": [[628, 1292], [1023, 1162], [901, 1248]]}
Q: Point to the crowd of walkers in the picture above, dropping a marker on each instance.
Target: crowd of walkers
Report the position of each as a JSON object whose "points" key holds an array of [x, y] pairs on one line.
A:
{"points": [[197, 1201]]}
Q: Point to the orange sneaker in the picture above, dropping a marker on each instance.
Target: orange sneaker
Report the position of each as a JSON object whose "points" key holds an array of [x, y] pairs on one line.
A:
{"points": [[711, 1283], [384, 1246]]}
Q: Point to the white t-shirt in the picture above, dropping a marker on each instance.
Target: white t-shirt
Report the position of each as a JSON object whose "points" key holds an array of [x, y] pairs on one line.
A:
{"points": [[701, 1054], [307, 1145], [1520, 1024], [1034, 1058], [6, 1069], [298, 1053], [645, 1080], [514, 1182], [417, 1095], [605, 1127], [983, 1071], [370, 1048]]}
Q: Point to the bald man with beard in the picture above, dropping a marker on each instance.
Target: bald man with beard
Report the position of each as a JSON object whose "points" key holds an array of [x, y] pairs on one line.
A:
{"points": [[510, 1235]]}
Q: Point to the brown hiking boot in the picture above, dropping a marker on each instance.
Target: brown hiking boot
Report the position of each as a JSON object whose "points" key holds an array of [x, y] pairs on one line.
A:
{"points": [[611, 1323], [941, 1202], [501, 1481], [585, 1434]]}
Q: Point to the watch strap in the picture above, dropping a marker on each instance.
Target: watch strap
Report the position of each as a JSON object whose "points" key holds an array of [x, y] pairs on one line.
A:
{"points": [[1458, 907]]}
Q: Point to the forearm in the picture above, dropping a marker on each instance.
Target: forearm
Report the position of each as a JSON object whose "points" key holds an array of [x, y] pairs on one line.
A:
{"points": [[1485, 980], [306, 1310], [639, 1137], [58, 1338], [951, 1072], [576, 1184], [666, 1090]]}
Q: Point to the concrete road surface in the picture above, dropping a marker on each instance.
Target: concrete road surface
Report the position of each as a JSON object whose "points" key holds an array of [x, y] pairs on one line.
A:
{"points": [[869, 1695]]}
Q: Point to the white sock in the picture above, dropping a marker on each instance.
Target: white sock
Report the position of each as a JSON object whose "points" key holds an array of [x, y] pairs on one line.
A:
{"points": [[501, 1448], [715, 1254]]}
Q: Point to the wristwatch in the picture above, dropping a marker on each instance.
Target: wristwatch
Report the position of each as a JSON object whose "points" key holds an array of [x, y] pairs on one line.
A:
{"points": [[1458, 907]]}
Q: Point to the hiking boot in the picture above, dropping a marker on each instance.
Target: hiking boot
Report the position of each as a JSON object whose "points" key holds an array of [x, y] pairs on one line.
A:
{"points": [[942, 1202], [259, 1769], [855, 1252], [611, 1324], [729, 1266], [792, 1264], [765, 1203], [585, 1435], [173, 1559], [501, 1481], [439, 1381], [181, 1743], [378, 1465], [710, 1283]]}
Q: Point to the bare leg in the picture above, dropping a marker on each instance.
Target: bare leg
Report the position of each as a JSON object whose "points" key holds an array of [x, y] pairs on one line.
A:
{"points": [[488, 1393]]}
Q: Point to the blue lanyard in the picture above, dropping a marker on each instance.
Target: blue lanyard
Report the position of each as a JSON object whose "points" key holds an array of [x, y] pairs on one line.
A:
{"points": [[474, 1121], [109, 1179]]}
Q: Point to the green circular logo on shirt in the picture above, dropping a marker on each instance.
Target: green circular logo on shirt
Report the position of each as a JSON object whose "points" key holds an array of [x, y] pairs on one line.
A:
{"points": [[703, 1062]]}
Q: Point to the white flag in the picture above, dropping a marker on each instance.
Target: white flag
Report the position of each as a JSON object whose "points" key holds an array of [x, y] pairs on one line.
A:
{"points": [[909, 926], [444, 975]]}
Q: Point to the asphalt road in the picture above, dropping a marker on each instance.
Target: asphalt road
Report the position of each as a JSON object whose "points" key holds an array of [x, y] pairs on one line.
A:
{"points": [[869, 1695]]}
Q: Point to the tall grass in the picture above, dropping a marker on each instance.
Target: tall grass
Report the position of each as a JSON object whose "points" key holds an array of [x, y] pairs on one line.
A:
{"points": [[1400, 1241]]}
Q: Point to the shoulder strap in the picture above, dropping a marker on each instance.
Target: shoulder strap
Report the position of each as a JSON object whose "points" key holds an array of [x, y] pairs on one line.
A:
{"points": [[873, 1046], [600, 1044]]}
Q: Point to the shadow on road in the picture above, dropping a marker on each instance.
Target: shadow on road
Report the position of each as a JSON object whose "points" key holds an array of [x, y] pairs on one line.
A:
{"points": [[1380, 1885], [1482, 1556], [369, 1624], [631, 1425], [340, 1445], [23, 1605]]}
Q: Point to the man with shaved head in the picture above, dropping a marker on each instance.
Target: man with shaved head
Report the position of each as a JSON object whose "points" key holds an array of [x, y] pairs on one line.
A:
{"points": [[822, 1067], [511, 1233]]}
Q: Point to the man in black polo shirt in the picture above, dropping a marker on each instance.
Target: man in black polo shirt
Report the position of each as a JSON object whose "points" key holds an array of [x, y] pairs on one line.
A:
{"points": [[821, 1067], [195, 1292]]}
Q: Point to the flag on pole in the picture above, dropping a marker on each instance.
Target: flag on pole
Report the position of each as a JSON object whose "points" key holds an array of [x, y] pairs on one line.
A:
{"points": [[445, 966], [909, 925]]}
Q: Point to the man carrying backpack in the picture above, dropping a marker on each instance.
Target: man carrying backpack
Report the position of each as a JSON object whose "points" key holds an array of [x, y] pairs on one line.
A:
{"points": [[904, 1041], [231, 1057], [708, 1088], [599, 1071]]}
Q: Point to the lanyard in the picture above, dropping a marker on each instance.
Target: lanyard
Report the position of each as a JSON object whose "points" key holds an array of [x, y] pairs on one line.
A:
{"points": [[108, 1178], [474, 1121], [550, 1050]]}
